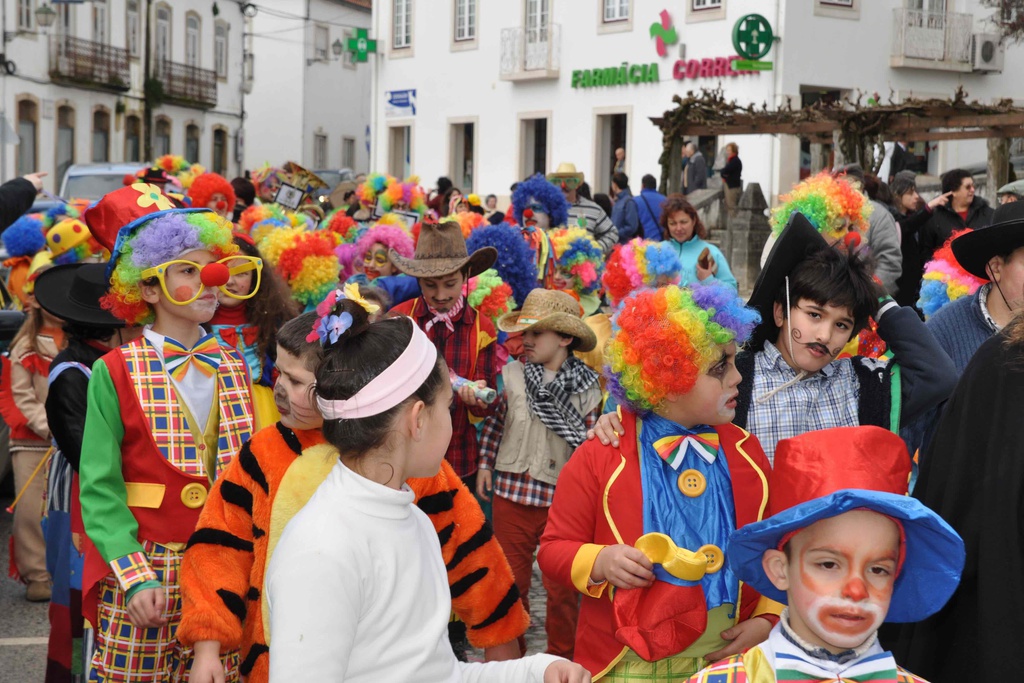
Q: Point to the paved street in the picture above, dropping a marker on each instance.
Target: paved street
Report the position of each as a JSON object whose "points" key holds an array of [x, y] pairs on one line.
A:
{"points": [[23, 625]]}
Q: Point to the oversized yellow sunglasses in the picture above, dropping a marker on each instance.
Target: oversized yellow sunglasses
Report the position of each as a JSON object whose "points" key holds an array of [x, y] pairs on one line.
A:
{"points": [[216, 274]]}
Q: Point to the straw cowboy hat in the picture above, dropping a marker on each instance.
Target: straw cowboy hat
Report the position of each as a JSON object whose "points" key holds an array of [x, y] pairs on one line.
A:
{"points": [[566, 171], [547, 309], [441, 251]]}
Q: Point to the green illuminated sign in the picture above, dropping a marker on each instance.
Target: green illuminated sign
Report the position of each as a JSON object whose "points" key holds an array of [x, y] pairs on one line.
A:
{"points": [[625, 74]]}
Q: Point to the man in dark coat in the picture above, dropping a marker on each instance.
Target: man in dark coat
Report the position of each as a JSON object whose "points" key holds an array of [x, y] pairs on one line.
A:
{"points": [[972, 475], [17, 196], [964, 210]]}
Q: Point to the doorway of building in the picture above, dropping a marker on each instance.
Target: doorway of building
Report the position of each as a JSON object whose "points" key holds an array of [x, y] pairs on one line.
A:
{"points": [[399, 151], [462, 137], [611, 135], [533, 147]]}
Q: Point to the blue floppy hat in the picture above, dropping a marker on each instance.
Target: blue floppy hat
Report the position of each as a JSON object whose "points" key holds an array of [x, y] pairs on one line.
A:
{"points": [[823, 474]]}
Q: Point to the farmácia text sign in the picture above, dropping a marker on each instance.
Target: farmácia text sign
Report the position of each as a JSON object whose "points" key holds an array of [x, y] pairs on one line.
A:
{"points": [[625, 74]]}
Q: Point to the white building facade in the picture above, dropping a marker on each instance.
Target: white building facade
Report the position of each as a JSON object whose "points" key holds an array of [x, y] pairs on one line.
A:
{"points": [[311, 102], [488, 93], [74, 92]]}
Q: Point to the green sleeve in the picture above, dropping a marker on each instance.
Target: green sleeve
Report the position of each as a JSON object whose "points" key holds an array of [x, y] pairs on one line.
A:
{"points": [[109, 523]]}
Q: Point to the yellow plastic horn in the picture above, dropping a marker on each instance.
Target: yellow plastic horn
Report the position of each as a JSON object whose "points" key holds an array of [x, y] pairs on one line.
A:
{"points": [[679, 562]]}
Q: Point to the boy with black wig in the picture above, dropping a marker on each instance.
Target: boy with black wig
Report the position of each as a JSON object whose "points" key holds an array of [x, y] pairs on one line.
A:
{"points": [[813, 299]]}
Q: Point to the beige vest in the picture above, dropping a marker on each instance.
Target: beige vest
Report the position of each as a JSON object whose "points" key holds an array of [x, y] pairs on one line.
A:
{"points": [[527, 445]]}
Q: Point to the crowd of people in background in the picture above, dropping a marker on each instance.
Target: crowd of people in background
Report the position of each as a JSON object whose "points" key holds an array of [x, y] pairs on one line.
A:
{"points": [[257, 439]]}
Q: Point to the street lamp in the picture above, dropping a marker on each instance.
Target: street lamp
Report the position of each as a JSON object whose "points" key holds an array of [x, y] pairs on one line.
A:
{"points": [[45, 16], [337, 47]]}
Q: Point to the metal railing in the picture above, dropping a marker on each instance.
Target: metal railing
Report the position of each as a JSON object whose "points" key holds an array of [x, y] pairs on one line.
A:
{"points": [[76, 60], [191, 86], [943, 37], [531, 52]]}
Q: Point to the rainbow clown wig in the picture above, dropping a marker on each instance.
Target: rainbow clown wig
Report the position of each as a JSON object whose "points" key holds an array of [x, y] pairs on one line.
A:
{"points": [[664, 339], [945, 280], [491, 297], [152, 240], [408, 193], [516, 264], [832, 205], [341, 226], [306, 261], [577, 254], [639, 263], [540, 189], [391, 236], [374, 185]]}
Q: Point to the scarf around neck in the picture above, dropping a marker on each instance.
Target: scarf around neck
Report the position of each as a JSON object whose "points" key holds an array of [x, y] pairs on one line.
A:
{"points": [[447, 317], [551, 402]]}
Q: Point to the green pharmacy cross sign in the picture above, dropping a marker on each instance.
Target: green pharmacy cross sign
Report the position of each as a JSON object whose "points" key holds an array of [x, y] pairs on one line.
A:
{"points": [[752, 37], [360, 46]]}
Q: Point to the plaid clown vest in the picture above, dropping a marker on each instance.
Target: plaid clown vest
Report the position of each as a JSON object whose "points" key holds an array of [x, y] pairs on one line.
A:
{"points": [[167, 462]]}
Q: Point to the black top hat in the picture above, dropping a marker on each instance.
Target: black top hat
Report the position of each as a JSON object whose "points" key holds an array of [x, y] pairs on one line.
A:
{"points": [[72, 292], [796, 242], [974, 249]]}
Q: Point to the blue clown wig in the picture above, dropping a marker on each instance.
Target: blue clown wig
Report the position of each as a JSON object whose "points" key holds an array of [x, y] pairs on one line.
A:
{"points": [[25, 236], [538, 187], [516, 264]]}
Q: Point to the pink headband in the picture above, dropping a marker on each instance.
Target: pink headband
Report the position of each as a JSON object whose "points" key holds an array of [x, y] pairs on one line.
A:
{"points": [[385, 391]]}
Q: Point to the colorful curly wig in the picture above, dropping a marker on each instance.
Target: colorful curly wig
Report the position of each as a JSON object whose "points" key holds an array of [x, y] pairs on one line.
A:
{"points": [[391, 236], [372, 187], [157, 241], [832, 205], [639, 263], [305, 260], [516, 264], [663, 339], [340, 225], [577, 253], [490, 296], [945, 280], [540, 188], [207, 185], [468, 222], [408, 192]]}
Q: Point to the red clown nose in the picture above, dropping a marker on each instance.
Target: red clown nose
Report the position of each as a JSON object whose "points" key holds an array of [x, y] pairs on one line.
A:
{"points": [[528, 213], [215, 275], [852, 240]]}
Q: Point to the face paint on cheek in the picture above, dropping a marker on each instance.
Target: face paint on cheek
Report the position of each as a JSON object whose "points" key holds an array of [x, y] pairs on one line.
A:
{"points": [[183, 293]]}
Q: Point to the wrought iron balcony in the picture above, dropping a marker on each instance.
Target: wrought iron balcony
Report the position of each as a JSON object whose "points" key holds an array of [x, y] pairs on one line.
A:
{"points": [[530, 53], [189, 86], [931, 40], [84, 62]]}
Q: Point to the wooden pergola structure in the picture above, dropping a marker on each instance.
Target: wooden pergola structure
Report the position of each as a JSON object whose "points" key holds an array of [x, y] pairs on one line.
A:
{"points": [[859, 127]]}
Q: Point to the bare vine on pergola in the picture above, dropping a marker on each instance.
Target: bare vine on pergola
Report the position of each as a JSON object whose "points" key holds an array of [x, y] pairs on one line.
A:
{"points": [[861, 126]]}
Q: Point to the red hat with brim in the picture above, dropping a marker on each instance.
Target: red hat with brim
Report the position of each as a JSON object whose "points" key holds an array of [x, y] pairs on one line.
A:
{"points": [[119, 208], [826, 473]]}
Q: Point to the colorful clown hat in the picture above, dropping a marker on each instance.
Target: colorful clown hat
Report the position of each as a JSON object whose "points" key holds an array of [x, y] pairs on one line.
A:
{"points": [[305, 260], [66, 235], [638, 264], [122, 206], [832, 205], [945, 280], [825, 473]]}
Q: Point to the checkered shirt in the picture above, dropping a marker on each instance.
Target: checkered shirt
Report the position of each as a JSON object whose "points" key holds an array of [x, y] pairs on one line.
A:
{"points": [[827, 399], [518, 487]]}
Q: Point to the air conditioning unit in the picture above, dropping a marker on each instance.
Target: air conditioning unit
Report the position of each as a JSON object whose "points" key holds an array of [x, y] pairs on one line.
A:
{"points": [[986, 53]]}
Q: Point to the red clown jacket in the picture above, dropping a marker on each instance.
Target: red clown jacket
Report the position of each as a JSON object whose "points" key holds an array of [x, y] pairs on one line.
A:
{"points": [[598, 502]]}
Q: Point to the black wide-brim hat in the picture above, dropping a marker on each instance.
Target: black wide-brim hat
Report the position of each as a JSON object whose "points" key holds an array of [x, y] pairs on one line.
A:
{"points": [[798, 240], [973, 250], [72, 292]]}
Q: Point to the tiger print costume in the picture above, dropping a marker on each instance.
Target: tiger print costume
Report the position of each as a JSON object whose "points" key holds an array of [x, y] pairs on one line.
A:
{"points": [[224, 565]]}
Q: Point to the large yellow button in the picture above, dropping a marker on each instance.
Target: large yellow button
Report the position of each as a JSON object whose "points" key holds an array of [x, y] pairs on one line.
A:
{"points": [[714, 555], [692, 483], [193, 495]]}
